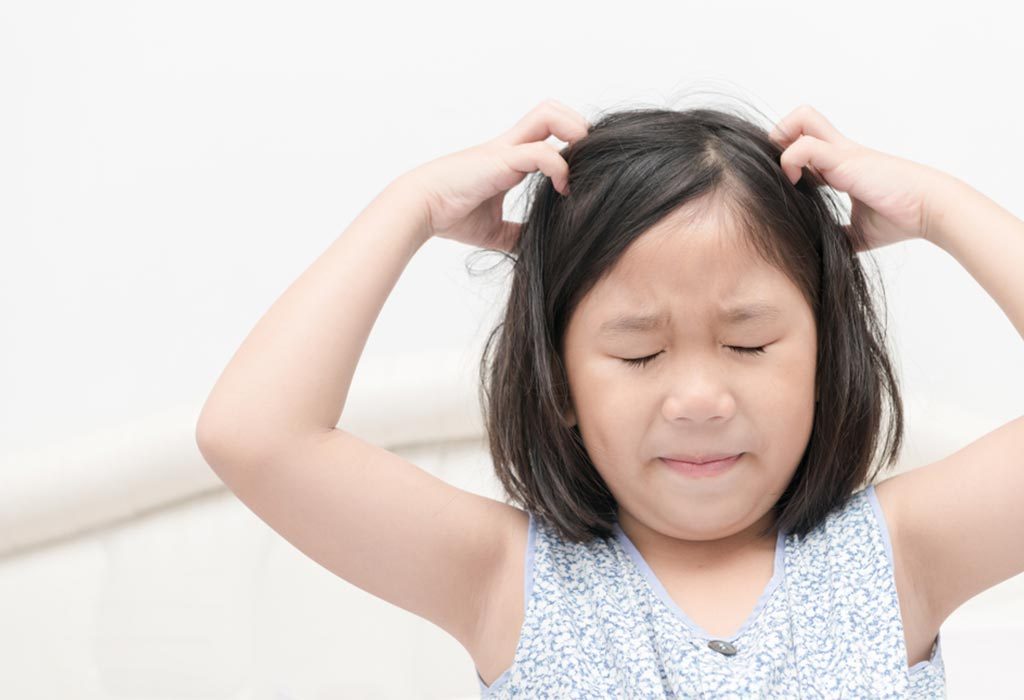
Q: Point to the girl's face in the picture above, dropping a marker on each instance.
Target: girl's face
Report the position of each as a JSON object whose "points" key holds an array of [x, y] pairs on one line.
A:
{"points": [[698, 395]]}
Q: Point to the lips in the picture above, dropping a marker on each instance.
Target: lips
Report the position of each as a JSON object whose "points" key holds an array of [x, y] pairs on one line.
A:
{"points": [[706, 469], [702, 459]]}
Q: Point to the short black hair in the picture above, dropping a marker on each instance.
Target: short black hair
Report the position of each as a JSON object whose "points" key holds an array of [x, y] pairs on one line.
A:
{"points": [[631, 170]]}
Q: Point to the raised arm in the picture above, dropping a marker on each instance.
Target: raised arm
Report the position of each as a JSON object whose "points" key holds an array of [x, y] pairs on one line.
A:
{"points": [[291, 376], [963, 516], [269, 427], [958, 523]]}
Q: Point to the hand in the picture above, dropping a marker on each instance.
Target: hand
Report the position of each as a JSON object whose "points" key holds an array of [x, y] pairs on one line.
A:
{"points": [[464, 191], [893, 199]]}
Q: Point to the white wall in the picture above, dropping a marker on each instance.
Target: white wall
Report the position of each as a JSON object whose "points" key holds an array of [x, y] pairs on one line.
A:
{"points": [[170, 168]]}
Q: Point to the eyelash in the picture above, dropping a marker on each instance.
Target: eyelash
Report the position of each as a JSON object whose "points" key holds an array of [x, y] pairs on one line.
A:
{"points": [[641, 361]]}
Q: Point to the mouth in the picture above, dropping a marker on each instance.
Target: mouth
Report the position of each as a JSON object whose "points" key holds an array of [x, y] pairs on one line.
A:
{"points": [[711, 467], [703, 459]]}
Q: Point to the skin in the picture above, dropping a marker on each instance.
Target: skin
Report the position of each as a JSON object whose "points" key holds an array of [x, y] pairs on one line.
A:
{"points": [[698, 395]]}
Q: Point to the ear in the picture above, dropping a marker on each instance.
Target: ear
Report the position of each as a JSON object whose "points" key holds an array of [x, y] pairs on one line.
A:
{"points": [[570, 418]]}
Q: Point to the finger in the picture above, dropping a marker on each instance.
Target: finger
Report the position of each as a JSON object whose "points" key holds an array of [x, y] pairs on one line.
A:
{"points": [[544, 120], [804, 120], [809, 151], [584, 122], [540, 155]]}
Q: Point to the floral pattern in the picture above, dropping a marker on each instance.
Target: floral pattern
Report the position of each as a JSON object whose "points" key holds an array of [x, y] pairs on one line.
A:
{"points": [[599, 624]]}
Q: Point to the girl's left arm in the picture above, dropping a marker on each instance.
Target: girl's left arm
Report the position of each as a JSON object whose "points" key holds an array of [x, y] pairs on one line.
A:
{"points": [[986, 239], [958, 522], [962, 517]]}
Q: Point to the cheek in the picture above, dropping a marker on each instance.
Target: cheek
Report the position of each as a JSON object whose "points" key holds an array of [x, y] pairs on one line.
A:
{"points": [[791, 377], [782, 399], [597, 382], [612, 438], [788, 417], [785, 402]]}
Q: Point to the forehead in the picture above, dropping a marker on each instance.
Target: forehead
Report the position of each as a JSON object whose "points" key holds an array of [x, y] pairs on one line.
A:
{"points": [[694, 267], [736, 314]]}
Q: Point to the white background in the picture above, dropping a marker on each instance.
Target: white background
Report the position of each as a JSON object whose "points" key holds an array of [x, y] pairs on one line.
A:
{"points": [[169, 169]]}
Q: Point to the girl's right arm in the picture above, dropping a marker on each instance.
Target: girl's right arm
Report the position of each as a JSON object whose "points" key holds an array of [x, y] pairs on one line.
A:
{"points": [[268, 428]]}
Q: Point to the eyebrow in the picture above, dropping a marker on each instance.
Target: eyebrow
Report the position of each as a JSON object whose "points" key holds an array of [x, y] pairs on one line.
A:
{"points": [[633, 323]]}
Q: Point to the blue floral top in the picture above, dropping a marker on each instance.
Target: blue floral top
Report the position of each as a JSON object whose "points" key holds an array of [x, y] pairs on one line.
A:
{"points": [[599, 624]]}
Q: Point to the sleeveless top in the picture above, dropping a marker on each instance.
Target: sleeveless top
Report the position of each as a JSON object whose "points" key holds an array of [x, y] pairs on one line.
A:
{"points": [[599, 624]]}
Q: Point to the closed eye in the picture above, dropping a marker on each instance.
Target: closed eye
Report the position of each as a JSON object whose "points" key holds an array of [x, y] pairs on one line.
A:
{"points": [[641, 361]]}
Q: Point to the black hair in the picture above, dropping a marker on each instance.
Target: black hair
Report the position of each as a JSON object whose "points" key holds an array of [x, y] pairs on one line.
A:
{"points": [[631, 170]]}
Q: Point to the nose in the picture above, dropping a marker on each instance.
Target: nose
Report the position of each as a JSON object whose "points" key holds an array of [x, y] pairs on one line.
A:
{"points": [[698, 393]]}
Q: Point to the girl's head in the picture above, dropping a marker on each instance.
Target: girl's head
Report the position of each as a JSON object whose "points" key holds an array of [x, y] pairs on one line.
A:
{"points": [[683, 243]]}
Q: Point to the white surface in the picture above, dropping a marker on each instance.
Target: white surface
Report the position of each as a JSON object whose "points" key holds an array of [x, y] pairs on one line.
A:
{"points": [[203, 600], [66, 486]]}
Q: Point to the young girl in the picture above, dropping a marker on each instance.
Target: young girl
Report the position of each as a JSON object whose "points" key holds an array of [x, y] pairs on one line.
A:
{"points": [[685, 397]]}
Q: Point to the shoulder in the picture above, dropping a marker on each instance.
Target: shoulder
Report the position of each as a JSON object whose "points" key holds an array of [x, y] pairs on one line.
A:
{"points": [[492, 645], [533, 549], [850, 523], [960, 520], [907, 566], [857, 536]]}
